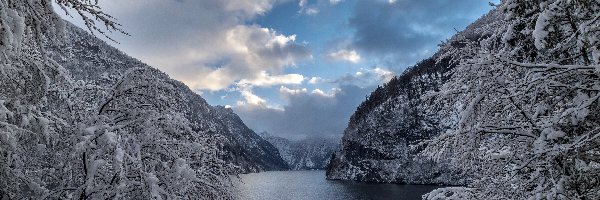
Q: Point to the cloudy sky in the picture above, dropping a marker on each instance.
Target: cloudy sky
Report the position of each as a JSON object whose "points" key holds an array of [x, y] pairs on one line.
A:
{"points": [[293, 68]]}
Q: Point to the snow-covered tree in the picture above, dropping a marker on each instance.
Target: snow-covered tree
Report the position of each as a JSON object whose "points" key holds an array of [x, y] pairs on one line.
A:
{"points": [[138, 147], [57, 142], [33, 20], [527, 103]]}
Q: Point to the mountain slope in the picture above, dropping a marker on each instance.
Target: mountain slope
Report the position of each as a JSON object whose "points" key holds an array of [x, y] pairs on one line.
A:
{"points": [[93, 63], [386, 133], [507, 108], [114, 130]]}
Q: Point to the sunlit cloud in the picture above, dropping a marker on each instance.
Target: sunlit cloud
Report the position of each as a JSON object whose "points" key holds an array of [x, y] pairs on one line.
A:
{"points": [[248, 55], [251, 99], [264, 79], [284, 91], [315, 80], [330, 94], [345, 55]]}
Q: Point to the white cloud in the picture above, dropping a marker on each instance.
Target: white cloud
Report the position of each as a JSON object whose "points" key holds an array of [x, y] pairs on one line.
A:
{"points": [[284, 91], [288, 93], [248, 54], [279, 40], [264, 79], [346, 55], [311, 11], [333, 2], [330, 94], [251, 99], [213, 47], [302, 3], [315, 80], [306, 9], [256, 7]]}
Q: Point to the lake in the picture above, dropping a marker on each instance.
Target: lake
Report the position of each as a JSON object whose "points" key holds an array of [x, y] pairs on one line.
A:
{"points": [[312, 185]]}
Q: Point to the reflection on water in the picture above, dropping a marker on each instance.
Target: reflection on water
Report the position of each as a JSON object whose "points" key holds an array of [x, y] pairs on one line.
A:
{"points": [[312, 185]]}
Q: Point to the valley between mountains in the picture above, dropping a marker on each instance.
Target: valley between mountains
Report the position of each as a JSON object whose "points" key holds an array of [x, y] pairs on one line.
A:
{"points": [[508, 108]]}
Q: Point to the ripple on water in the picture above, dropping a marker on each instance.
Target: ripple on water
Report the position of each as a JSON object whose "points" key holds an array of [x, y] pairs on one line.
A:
{"points": [[312, 185]]}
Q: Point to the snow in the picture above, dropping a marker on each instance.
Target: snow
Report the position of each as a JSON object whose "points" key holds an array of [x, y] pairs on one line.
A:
{"points": [[8, 138], [80, 147], [581, 165], [503, 153], [90, 130], [18, 28], [541, 29], [110, 137], [43, 124], [509, 35], [448, 193], [152, 182], [91, 173], [119, 155], [5, 114], [508, 120], [183, 170], [552, 133]]}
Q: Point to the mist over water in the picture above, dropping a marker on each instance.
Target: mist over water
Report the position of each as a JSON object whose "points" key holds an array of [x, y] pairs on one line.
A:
{"points": [[312, 185]]}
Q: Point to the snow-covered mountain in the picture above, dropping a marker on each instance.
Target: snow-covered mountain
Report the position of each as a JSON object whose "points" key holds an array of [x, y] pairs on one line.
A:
{"points": [[305, 154], [93, 63], [507, 109], [80, 119], [385, 135]]}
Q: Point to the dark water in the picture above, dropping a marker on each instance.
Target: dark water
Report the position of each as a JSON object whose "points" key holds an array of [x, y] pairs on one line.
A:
{"points": [[311, 185]]}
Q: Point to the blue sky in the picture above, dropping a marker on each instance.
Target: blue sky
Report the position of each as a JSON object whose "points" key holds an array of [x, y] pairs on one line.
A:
{"points": [[293, 68]]}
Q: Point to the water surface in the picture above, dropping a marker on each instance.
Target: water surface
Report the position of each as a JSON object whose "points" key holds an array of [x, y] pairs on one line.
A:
{"points": [[312, 185]]}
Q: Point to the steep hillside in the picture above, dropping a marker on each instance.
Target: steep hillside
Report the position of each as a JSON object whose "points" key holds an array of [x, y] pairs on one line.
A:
{"points": [[80, 119], [386, 133], [254, 148], [94, 64], [305, 154], [507, 108], [118, 138]]}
